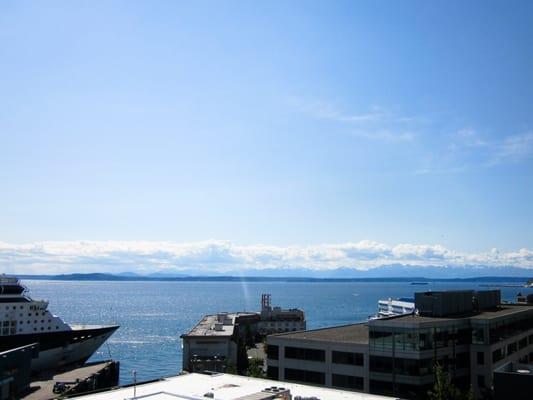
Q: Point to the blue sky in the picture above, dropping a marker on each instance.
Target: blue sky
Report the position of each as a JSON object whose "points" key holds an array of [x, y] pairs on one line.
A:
{"points": [[277, 124]]}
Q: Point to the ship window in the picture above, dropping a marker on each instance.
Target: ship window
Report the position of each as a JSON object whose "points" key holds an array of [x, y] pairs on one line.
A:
{"points": [[21, 307], [29, 314], [42, 321], [34, 321], [49, 320], [5, 323], [49, 328], [28, 321], [20, 315], [34, 329], [57, 327], [42, 328], [14, 307]]}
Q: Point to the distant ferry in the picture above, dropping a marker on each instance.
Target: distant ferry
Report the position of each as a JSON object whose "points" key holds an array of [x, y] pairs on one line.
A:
{"points": [[391, 307], [25, 321]]}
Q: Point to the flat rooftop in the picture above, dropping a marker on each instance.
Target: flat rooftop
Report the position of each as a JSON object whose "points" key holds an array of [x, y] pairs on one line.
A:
{"points": [[223, 387], [503, 311], [207, 325], [354, 333]]}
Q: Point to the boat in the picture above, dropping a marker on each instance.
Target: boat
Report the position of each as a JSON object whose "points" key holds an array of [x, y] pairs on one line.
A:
{"points": [[26, 321], [392, 307]]}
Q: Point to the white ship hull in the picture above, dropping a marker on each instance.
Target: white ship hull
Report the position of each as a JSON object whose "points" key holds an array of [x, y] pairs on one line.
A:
{"points": [[72, 353]]}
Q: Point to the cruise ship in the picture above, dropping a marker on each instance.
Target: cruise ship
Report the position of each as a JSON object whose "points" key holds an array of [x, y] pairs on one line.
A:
{"points": [[391, 307], [24, 321]]}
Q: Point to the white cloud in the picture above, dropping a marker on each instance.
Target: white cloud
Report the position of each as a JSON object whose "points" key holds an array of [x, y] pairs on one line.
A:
{"points": [[222, 256], [468, 149], [513, 149], [375, 124]]}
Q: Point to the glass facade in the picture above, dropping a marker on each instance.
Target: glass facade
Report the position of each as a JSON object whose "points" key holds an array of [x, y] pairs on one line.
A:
{"points": [[418, 339], [504, 329], [401, 366]]}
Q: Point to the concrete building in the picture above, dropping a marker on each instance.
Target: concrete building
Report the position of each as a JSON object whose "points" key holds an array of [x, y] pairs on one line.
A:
{"points": [[218, 341], [225, 387], [469, 333], [513, 380], [333, 357], [277, 320]]}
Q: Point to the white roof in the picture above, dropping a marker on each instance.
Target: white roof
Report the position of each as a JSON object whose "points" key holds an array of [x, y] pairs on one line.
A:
{"points": [[206, 326], [223, 386]]}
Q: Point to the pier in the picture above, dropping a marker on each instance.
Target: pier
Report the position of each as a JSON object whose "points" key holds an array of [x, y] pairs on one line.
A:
{"points": [[87, 378]]}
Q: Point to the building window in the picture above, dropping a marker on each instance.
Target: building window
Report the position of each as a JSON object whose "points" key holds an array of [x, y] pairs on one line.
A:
{"points": [[347, 381], [300, 353], [305, 376], [462, 360], [342, 357], [272, 352], [381, 364], [273, 373], [497, 355], [480, 358], [480, 381], [478, 336]]}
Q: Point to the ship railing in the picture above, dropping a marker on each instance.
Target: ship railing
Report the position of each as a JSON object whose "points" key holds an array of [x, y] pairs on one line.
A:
{"points": [[8, 280]]}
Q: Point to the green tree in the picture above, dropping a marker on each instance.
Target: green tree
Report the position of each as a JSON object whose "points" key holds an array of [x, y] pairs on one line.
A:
{"points": [[470, 394], [230, 368], [255, 368], [443, 389]]}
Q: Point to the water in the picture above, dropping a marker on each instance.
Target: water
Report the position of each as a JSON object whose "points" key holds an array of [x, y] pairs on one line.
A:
{"points": [[152, 315]]}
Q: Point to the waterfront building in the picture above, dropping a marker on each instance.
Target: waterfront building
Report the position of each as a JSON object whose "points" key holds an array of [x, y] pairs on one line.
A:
{"points": [[225, 387], [470, 334], [218, 342], [278, 320]]}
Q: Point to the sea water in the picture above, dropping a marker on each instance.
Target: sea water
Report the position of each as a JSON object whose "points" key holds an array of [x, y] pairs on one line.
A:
{"points": [[152, 315]]}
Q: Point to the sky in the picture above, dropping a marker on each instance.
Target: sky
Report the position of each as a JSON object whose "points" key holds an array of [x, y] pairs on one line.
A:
{"points": [[318, 134]]}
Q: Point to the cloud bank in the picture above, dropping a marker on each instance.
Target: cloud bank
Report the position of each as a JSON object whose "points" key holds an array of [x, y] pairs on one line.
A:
{"points": [[218, 256]]}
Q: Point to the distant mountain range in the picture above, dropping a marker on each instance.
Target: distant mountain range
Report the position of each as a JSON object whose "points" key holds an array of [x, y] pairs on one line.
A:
{"points": [[385, 273]]}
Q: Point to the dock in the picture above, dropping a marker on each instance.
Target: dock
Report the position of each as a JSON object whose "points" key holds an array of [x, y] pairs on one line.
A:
{"points": [[87, 378]]}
